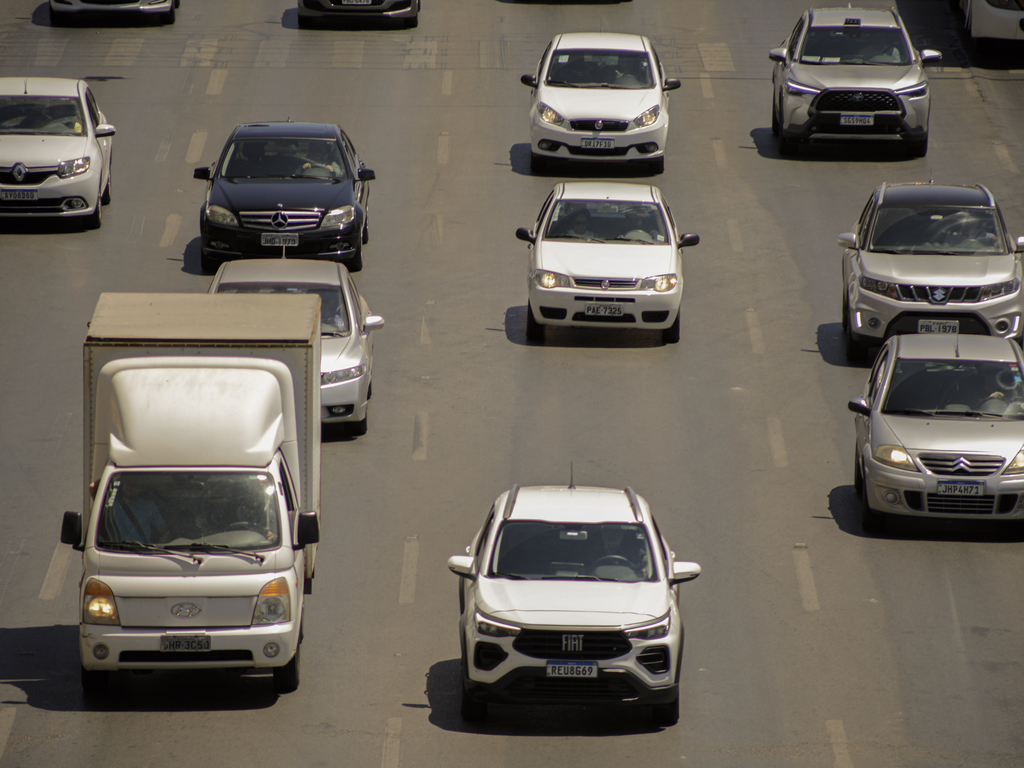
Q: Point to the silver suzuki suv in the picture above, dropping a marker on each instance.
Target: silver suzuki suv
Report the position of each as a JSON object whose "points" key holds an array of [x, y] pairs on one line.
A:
{"points": [[930, 258], [850, 74]]}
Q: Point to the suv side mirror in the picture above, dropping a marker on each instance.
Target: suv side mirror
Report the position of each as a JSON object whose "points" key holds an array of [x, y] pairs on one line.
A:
{"points": [[372, 323], [777, 54], [530, 80], [1020, 244], [104, 129], [848, 240], [859, 406], [683, 572], [71, 530], [524, 234], [309, 529], [930, 55], [201, 173], [461, 565]]}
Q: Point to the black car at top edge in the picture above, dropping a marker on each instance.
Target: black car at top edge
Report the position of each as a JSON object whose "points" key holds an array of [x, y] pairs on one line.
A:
{"points": [[285, 189]]}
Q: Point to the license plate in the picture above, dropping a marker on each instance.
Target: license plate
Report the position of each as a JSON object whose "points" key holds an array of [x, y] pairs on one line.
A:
{"points": [[961, 488], [184, 643], [357, 2], [602, 310], [19, 194], [278, 241], [938, 326], [572, 669], [856, 119], [599, 143]]}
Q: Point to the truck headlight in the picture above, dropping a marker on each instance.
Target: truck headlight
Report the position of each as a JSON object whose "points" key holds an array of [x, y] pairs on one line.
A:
{"points": [[488, 626], [996, 290], [76, 167], [327, 378], [914, 91], [218, 215], [274, 604], [339, 217], [98, 605], [650, 631]]}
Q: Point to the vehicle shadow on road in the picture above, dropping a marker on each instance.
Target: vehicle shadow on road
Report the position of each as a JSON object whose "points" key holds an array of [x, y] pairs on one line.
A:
{"points": [[832, 348], [444, 683], [583, 338], [519, 159], [190, 257], [831, 152]]}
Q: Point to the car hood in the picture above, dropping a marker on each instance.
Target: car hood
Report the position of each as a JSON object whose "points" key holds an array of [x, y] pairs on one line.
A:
{"points": [[933, 270], [857, 75], [34, 151], [337, 352], [606, 103], [954, 434], [267, 194], [577, 603], [615, 259]]}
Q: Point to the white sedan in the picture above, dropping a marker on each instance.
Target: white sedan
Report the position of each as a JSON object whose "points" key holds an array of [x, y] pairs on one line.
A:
{"points": [[599, 97], [55, 149], [605, 254], [346, 326]]}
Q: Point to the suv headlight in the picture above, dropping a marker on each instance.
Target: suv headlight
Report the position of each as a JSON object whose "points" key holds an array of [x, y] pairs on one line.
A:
{"points": [[650, 631], [327, 378], [98, 605], [274, 604], [914, 91], [647, 118], [879, 286], [339, 217], [996, 290], [659, 283], [548, 115], [794, 88], [546, 279], [895, 456], [69, 168], [485, 625], [218, 215]]}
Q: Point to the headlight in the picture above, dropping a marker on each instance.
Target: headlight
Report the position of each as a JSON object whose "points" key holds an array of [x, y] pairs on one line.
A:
{"points": [[648, 117], [799, 89], [999, 289], [548, 115], [1016, 466], [914, 91], [661, 283], [218, 215], [650, 631], [879, 286], [327, 378], [339, 217], [895, 456], [69, 168], [274, 604], [98, 604], [488, 626], [551, 279]]}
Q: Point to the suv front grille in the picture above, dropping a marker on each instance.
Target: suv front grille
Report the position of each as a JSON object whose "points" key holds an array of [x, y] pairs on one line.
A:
{"points": [[545, 644], [857, 101], [955, 294], [309, 219], [957, 464]]}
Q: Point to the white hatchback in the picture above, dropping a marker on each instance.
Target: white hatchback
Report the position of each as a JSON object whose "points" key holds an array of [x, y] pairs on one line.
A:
{"points": [[599, 97], [62, 12]]}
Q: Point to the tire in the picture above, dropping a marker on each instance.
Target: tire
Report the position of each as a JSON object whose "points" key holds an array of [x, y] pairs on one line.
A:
{"points": [[917, 148], [95, 681], [413, 22], [855, 351], [670, 335], [95, 219], [538, 164], [534, 330], [470, 710], [366, 233], [286, 678], [357, 428], [306, 22], [59, 19], [207, 263], [105, 197], [858, 475], [168, 18], [775, 120], [666, 714], [787, 147], [871, 520], [656, 166], [355, 264]]}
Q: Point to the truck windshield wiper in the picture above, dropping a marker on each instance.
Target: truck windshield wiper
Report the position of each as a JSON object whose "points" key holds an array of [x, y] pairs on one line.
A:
{"points": [[201, 547], [147, 549]]}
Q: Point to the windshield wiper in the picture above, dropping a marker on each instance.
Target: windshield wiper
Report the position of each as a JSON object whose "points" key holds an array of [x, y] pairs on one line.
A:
{"points": [[574, 577], [201, 547], [144, 549], [500, 575], [563, 83], [909, 412]]}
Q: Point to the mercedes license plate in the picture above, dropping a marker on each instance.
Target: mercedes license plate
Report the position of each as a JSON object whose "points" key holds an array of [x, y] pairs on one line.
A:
{"points": [[599, 143], [602, 310], [572, 669], [938, 326], [184, 643], [960, 488], [856, 119], [19, 194], [278, 241], [357, 2]]}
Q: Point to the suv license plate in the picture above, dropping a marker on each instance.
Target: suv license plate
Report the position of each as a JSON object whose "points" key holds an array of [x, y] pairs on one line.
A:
{"points": [[598, 143], [357, 2], [184, 643], [602, 310], [961, 488], [856, 119], [572, 669], [938, 326], [279, 241], [19, 194]]}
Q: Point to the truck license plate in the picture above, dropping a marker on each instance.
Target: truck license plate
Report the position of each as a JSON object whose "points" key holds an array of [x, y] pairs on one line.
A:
{"points": [[278, 241], [572, 669], [184, 643]]}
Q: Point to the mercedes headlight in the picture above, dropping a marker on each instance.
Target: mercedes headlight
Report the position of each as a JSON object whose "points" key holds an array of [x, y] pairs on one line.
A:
{"points": [[546, 279], [659, 283], [488, 626], [218, 215], [327, 378], [274, 604], [339, 217], [647, 118], [69, 168], [895, 456], [548, 115]]}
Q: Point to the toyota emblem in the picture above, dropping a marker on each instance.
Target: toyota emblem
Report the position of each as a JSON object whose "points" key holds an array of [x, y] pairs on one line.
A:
{"points": [[19, 172], [279, 220], [185, 610]]}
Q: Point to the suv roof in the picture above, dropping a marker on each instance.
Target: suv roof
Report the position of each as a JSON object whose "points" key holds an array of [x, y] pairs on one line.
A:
{"points": [[867, 17], [928, 193], [570, 504]]}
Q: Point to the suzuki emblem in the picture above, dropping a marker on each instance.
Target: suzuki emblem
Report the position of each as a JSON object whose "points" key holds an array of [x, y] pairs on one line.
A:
{"points": [[185, 610], [938, 295]]}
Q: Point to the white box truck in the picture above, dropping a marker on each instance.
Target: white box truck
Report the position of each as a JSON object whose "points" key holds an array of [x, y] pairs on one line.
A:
{"points": [[201, 507]]}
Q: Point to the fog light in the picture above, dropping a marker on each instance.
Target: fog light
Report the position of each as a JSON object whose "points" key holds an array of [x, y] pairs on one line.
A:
{"points": [[74, 204], [220, 245], [100, 652], [270, 650], [873, 323], [648, 148], [547, 145], [1002, 326], [340, 410], [891, 497]]}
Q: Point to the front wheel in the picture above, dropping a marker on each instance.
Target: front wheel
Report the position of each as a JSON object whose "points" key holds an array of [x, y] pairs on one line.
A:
{"points": [[168, 18], [775, 120], [207, 263], [858, 475], [670, 335], [95, 219], [95, 680], [534, 330], [917, 148], [787, 147], [358, 428], [871, 520], [538, 163], [355, 264], [854, 350], [286, 678], [666, 714]]}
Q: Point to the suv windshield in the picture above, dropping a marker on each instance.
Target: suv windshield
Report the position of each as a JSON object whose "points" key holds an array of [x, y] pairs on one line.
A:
{"points": [[855, 45], [600, 69], [333, 317], [979, 388], [527, 549], [936, 229]]}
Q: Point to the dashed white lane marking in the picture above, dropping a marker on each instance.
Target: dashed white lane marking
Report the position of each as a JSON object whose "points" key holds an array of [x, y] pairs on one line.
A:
{"points": [[216, 86], [162, 152], [805, 578], [754, 327], [840, 751], [437, 230], [56, 573], [170, 230], [777, 444], [6, 724], [272, 53], [48, 52], [122, 52], [443, 142], [197, 145], [735, 239], [1004, 157], [705, 86], [347, 54], [419, 437], [407, 586], [135, 233], [199, 52], [446, 82], [424, 332], [421, 54], [719, 148], [392, 744], [716, 57]]}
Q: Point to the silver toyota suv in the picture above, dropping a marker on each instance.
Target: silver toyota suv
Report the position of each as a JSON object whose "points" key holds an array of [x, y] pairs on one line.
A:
{"points": [[850, 74], [930, 258]]}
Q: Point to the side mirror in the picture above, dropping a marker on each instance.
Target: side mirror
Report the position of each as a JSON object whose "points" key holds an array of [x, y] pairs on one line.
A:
{"points": [[71, 530], [859, 406], [687, 240], [929, 54], [777, 54], [683, 572], [1020, 244], [530, 80], [461, 565], [366, 174], [372, 323], [848, 240], [671, 84], [309, 529], [104, 129], [202, 173], [524, 234]]}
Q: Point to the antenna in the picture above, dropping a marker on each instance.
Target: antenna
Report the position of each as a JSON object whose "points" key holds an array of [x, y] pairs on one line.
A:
{"points": [[571, 484]]}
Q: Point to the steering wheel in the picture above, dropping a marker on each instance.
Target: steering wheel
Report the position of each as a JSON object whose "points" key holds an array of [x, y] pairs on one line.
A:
{"points": [[613, 560]]}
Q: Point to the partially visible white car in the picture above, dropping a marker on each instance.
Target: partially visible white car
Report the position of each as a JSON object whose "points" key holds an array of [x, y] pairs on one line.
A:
{"points": [[62, 12], [605, 254], [599, 96], [55, 149], [1002, 19], [346, 325]]}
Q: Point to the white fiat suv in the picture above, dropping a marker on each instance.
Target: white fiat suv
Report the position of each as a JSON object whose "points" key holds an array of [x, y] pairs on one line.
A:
{"points": [[569, 596]]}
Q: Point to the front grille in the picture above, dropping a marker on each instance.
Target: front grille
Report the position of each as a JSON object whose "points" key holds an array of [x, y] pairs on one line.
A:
{"points": [[957, 464], [616, 152], [961, 505], [857, 101], [952, 294], [581, 317], [554, 689], [308, 219], [606, 125], [159, 657], [108, 2], [341, 3], [34, 176], [544, 644], [614, 283], [655, 659]]}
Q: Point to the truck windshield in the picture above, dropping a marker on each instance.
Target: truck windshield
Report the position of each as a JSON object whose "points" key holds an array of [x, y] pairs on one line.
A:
{"points": [[190, 509]]}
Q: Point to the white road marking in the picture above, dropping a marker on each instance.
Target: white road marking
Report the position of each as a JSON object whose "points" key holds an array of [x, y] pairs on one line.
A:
{"points": [[735, 239], [443, 142], [197, 144], [347, 54], [777, 444], [1004, 157], [840, 752], [199, 52], [491, 54], [421, 55], [48, 52], [716, 57], [437, 230], [754, 327], [446, 82], [170, 230], [407, 586], [216, 86], [165, 148], [705, 86], [805, 578], [57, 572], [122, 52], [420, 429], [6, 725], [135, 234], [424, 332], [272, 53], [720, 159], [392, 743]]}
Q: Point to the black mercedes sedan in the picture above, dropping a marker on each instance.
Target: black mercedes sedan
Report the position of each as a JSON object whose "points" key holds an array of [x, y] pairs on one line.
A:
{"points": [[285, 190]]}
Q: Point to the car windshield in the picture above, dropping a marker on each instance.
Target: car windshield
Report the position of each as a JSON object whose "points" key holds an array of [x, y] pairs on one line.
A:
{"points": [[41, 115], [959, 388], [527, 549], [607, 220], [933, 229], [333, 313], [188, 511], [283, 158], [855, 45], [600, 69]]}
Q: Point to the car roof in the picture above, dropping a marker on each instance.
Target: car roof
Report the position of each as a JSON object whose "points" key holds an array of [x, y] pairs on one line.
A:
{"points": [[613, 41], [39, 86], [951, 346], [571, 504], [286, 130], [608, 190], [917, 193], [869, 17], [281, 271]]}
